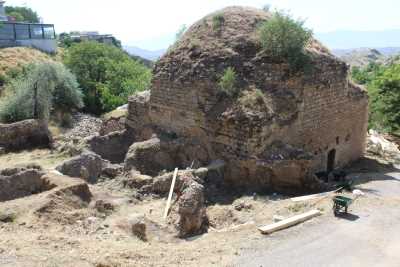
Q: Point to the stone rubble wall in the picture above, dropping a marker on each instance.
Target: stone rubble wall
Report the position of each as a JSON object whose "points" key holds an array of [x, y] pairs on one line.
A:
{"points": [[24, 135]]}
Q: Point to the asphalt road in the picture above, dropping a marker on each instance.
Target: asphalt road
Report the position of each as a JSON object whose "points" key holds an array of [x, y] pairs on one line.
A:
{"points": [[369, 236]]}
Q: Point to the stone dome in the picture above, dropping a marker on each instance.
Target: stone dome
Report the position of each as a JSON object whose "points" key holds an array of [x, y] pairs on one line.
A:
{"points": [[205, 51], [281, 124]]}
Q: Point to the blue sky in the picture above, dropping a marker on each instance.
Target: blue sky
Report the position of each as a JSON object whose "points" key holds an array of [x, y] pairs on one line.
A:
{"points": [[152, 24]]}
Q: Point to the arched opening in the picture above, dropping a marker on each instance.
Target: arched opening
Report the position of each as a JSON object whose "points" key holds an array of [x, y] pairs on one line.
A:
{"points": [[331, 160]]}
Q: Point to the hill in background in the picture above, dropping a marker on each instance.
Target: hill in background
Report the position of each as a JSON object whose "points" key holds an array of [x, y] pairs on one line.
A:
{"points": [[143, 53]]}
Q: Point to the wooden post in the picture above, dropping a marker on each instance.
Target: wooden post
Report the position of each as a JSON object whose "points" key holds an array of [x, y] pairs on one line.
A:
{"points": [[35, 100], [171, 190]]}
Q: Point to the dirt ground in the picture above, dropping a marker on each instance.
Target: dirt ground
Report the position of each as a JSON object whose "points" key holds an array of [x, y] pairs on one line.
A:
{"points": [[83, 236]]}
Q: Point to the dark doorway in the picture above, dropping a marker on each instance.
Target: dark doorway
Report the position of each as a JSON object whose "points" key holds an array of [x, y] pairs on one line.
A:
{"points": [[331, 160]]}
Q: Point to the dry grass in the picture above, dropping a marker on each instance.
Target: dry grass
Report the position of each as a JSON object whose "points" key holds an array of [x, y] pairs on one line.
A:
{"points": [[17, 57], [253, 99], [42, 157], [117, 113]]}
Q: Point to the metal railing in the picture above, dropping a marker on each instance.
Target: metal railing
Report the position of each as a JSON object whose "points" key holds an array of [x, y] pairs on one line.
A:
{"points": [[26, 31]]}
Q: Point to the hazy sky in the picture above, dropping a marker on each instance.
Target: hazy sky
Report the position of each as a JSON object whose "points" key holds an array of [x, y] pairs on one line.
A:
{"points": [[152, 23]]}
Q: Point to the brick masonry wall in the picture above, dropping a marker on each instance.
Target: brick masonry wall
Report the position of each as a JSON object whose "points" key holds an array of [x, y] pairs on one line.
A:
{"points": [[329, 113]]}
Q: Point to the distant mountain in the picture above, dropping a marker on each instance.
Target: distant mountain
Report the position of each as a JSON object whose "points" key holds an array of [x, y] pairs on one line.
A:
{"points": [[363, 56], [147, 54], [356, 39], [144, 61], [360, 57], [389, 51]]}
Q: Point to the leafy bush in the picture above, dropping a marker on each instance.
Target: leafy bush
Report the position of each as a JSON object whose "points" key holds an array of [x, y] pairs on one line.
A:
{"points": [[106, 74], [42, 88], [218, 21], [284, 37], [227, 83]]}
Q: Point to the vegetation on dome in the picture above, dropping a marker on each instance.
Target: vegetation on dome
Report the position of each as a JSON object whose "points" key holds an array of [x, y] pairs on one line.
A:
{"points": [[227, 82], [218, 21], [285, 37]]}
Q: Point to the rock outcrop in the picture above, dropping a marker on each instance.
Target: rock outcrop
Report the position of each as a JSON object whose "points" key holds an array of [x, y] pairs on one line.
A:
{"points": [[148, 157], [21, 182], [24, 135], [87, 166], [191, 208], [113, 146]]}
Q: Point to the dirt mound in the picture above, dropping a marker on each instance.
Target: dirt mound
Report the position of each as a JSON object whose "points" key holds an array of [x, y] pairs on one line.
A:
{"points": [[235, 41], [64, 203]]}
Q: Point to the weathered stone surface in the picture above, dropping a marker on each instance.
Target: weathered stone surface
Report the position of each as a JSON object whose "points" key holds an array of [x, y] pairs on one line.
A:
{"points": [[135, 179], [24, 135], [148, 157], [379, 145], [112, 147], [137, 225], [87, 166], [192, 212], [138, 115], [112, 125], [111, 170], [21, 182], [104, 206]]}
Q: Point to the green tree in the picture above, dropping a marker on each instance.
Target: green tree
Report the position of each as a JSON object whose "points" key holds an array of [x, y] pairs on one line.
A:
{"points": [[65, 40], [106, 74], [284, 37], [17, 16], [384, 92], [24, 14], [42, 88]]}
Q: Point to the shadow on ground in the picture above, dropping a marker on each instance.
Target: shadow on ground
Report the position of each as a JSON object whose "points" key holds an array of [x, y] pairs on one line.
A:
{"points": [[348, 216]]}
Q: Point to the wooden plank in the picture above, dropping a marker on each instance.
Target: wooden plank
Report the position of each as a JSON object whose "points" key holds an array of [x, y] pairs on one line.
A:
{"points": [[171, 190], [315, 196], [268, 229]]}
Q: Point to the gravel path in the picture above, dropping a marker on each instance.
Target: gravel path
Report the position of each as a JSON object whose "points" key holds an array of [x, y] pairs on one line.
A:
{"points": [[369, 236]]}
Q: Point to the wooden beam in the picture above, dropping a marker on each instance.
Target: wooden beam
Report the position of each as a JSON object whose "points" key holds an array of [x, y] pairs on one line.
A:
{"points": [[268, 229], [311, 197], [171, 190]]}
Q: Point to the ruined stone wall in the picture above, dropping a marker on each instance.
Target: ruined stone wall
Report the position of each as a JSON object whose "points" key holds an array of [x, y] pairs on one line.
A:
{"points": [[312, 111], [333, 117], [181, 107]]}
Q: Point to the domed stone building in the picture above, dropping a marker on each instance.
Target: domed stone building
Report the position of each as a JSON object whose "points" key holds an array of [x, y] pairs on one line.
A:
{"points": [[281, 128]]}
